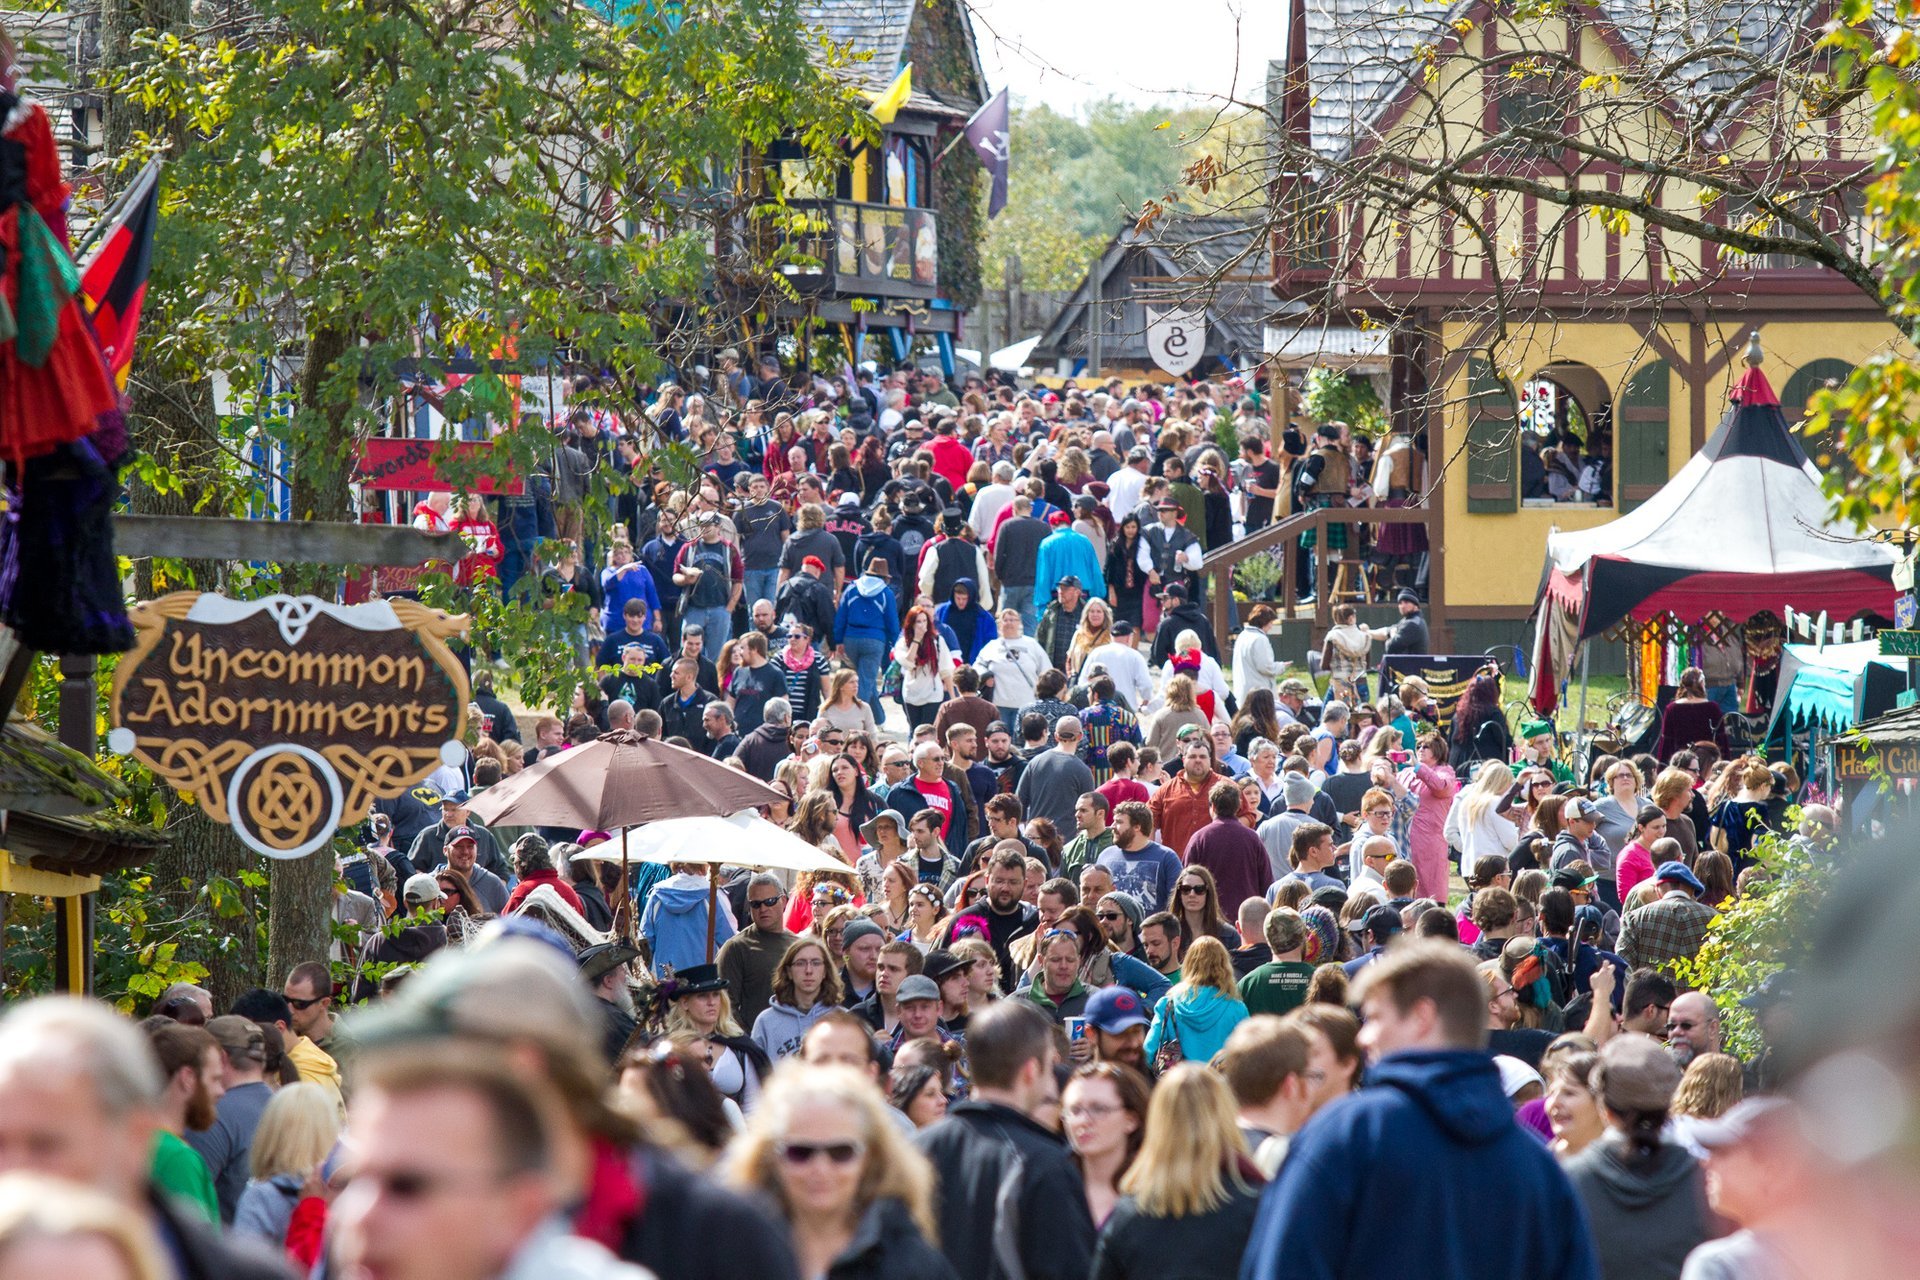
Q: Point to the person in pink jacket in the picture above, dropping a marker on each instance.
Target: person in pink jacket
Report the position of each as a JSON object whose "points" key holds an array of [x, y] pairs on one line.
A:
{"points": [[1636, 860], [1432, 784]]}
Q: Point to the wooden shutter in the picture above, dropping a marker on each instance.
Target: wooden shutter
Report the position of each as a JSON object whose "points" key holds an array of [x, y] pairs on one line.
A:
{"points": [[1640, 462], [1493, 444]]}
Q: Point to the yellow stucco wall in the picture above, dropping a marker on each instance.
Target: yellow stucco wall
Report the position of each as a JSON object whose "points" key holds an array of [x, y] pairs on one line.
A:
{"points": [[1494, 559]]}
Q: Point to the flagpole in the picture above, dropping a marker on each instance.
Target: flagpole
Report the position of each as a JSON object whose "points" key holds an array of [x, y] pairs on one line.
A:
{"points": [[148, 174]]}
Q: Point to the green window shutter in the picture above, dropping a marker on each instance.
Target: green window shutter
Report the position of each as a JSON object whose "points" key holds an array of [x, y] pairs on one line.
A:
{"points": [[1641, 464], [1493, 443], [1809, 378]]}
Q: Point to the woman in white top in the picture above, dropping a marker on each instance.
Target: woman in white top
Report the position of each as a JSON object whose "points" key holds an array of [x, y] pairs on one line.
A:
{"points": [[1014, 661], [1475, 826], [1208, 679], [1254, 666], [926, 667]]}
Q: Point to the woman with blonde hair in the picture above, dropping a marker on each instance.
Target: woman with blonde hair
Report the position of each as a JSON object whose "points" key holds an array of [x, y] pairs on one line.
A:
{"points": [[296, 1133], [1162, 729], [1195, 1018], [50, 1227], [1476, 825], [983, 979], [1095, 629], [855, 1194], [1190, 1195]]}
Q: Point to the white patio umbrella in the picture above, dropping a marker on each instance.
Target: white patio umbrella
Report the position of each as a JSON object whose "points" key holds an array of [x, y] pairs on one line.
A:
{"points": [[742, 840]]}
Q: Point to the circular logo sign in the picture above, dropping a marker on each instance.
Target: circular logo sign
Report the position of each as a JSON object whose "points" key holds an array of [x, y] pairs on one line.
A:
{"points": [[285, 801]]}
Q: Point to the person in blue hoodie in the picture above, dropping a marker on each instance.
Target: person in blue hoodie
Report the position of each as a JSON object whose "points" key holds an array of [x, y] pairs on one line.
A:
{"points": [[1202, 1009], [864, 626], [1067, 553], [972, 626], [1423, 1172], [674, 920]]}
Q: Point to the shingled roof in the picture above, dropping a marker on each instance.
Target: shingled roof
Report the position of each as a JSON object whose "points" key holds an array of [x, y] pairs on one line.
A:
{"points": [[1362, 53], [880, 29]]}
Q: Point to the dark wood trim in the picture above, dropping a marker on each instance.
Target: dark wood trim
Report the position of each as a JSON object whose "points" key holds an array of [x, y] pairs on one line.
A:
{"points": [[1435, 497], [1696, 386]]}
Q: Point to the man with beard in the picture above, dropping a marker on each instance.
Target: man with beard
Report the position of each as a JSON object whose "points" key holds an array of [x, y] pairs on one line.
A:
{"points": [[81, 1100], [604, 967], [1006, 917], [1006, 763], [429, 848], [195, 1071], [1117, 1020], [750, 957], [1693, 1027]]}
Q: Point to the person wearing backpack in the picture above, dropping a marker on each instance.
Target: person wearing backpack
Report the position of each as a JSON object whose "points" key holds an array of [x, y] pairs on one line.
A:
{"points": [[864, 625]]}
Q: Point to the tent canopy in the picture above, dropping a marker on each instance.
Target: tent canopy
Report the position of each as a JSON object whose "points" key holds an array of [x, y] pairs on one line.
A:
{"points": [[1834, 687], [1740, 529]]}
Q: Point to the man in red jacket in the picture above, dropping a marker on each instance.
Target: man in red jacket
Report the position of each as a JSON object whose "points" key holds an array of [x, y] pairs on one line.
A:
{"points": [[534, 865], [1182, 805]]}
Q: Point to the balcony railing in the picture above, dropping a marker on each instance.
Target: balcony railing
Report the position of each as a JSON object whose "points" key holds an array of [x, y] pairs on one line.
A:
{"points": [[858, 248]]}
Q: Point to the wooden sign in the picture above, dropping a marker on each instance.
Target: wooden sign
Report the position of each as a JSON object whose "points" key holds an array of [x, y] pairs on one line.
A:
{"points": [[1853, 762], [287, 717]]}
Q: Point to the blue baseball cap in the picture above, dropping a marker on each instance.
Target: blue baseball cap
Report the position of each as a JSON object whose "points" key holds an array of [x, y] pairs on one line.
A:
{"points": [[1114, 1009], [1678, 873]]}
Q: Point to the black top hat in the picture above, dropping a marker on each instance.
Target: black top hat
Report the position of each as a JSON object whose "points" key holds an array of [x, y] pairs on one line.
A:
{"points": [[695, 979]]}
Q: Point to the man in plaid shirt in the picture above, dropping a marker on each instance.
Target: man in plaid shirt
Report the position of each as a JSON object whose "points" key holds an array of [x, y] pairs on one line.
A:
{"points": [[1670, 927]]}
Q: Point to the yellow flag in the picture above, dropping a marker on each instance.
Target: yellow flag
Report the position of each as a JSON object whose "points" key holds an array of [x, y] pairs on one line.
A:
{"points": [[887, 104]]}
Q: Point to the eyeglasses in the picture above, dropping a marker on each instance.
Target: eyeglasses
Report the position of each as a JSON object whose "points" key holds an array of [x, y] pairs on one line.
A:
{"points": [[761, 904], [1681, 1026], [1379, 813], [1091, 1110], [1504, 992], [1194, 888], [800, 1153], [304, 1005], [1106, 915]]}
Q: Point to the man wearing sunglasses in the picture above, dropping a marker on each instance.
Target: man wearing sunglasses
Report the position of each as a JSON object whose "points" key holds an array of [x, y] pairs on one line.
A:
{"points": [[748, 959], [456, 1176]]}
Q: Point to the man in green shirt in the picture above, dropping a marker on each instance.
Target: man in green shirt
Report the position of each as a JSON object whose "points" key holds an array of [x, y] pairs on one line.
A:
{"points": [[196, 1076], [1093, 838], [1280, 984]]}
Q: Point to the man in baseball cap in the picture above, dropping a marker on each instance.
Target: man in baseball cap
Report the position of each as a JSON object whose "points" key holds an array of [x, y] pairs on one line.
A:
{"points": [[1117, 1021], [1376, 929], [918, 1001]]}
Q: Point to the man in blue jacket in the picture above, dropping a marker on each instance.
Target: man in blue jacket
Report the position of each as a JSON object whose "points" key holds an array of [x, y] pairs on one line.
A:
{"points": [[865, 624], [1397, 1179]]}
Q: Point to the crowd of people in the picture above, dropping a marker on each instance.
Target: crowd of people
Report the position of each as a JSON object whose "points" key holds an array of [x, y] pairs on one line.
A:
{"points": [[1149, 957]]}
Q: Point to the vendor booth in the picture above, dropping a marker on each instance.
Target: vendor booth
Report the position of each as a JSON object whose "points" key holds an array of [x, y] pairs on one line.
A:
{"points": [[1709, 562], [1828, 689]]}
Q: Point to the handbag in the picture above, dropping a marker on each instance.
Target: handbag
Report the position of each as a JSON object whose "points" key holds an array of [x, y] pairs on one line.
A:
{"points": [[1170, 1054]]}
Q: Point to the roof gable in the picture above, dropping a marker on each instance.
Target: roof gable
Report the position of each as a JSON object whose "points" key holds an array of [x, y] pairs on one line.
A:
{"points": [[891, 32]]}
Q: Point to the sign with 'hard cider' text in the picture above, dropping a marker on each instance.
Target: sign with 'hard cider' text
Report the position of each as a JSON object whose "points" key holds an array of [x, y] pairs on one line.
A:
{"points": [[287, 717]]}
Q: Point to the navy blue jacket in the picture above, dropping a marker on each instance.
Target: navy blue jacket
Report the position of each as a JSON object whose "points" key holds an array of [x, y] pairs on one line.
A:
{"points": [[1422, 1173]]}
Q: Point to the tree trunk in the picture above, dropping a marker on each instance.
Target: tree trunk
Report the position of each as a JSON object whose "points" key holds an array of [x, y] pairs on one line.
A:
{"points": [[299, 924]]}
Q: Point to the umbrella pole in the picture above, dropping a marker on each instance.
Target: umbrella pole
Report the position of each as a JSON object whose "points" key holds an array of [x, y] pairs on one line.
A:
{"points": [[623, 925], [713, 901]]}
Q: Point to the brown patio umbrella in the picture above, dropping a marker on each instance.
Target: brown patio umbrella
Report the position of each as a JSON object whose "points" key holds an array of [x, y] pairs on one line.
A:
{"points": [[622, 780]]}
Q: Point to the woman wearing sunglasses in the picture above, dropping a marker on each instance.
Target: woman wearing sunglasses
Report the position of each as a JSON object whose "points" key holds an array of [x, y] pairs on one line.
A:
{"points": [[1196, 905], [856, 1196]]}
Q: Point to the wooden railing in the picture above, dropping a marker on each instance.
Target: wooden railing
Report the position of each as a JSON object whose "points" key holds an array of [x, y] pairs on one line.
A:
{"points": [[1218, 564]]}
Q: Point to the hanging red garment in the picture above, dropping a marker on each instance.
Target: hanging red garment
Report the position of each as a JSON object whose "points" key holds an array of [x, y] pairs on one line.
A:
{"points": [[54, 387]]}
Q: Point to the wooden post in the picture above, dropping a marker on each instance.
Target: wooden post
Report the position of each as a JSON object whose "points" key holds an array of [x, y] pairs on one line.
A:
{"points": [[73, 925], [623, 914], [713, 906]]}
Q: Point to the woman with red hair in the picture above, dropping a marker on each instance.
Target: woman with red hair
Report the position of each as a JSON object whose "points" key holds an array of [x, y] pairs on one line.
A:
{"points": [[926, 667]]}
